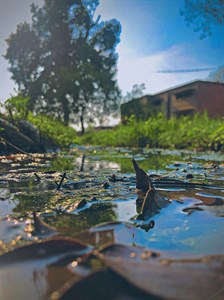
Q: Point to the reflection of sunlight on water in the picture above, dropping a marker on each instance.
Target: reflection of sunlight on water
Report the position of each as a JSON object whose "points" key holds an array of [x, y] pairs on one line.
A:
{"points": [[6, 207], [94, 163], [195, 233], [205, 195], [102, 165], [125, 210]]}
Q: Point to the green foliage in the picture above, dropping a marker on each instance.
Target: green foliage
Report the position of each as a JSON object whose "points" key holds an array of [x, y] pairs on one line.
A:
{"points": [[136, 92], [203, 15], [197, 132], [54, 130], [143, 108], [217, 75], [65, 60], [17, 107]]}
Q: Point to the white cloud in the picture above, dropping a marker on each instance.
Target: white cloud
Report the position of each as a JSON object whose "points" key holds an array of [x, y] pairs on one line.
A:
{"points": [[132, 70]]}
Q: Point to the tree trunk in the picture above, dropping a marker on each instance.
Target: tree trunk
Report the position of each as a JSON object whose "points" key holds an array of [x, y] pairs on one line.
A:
{"points": [[82, 125], [82, 121], [65, 111]]}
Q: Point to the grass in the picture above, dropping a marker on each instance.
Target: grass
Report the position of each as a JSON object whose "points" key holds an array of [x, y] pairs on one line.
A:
{"points": [[198, 132], [189, 132], [61, 135]]}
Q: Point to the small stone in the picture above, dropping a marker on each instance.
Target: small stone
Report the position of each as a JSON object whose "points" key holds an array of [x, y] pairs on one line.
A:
{"points": [[189, 176]]}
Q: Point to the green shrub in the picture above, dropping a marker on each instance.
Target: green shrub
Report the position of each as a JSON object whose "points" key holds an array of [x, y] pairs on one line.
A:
{"points": [[17, 107], [187, 132], [54, 130]]}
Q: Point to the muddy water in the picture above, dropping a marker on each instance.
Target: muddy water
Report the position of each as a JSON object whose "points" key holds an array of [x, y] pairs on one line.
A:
{"points": [[193, 222]]}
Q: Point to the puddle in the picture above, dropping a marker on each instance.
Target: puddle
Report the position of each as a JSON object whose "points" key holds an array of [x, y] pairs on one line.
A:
{"points": [[104, 181], [90, 194]]}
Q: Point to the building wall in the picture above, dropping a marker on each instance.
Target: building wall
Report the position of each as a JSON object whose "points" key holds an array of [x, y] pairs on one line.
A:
{"points": [[141, 108], [211, 98], [194, 97]]}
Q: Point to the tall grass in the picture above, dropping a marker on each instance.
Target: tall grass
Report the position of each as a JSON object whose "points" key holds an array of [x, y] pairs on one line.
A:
{"points": [[51, 129], [197, 132]]}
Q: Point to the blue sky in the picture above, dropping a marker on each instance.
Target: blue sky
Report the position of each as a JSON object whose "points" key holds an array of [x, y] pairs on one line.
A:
{"points": [[154, 37]]}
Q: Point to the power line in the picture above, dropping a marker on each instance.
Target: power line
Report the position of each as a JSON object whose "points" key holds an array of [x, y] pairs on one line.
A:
{"points": [[183, 71]]}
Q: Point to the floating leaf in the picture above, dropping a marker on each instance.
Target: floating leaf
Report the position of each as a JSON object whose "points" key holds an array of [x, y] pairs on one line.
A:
{"points": [[100, 285], [35, 271], [60, 246], [152, 203], [142, 179], [190, 210], [189, 278], [41, 228]]}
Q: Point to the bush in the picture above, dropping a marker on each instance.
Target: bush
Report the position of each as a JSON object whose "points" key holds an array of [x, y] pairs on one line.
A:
{"points": [[54, 130], [197, 132]]}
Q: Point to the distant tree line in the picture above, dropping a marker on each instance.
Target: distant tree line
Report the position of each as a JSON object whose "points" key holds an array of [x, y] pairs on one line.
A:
{"points": [[65, 61]]}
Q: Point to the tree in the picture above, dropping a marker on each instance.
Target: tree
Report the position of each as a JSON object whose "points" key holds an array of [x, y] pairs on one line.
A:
{"points": [[136, 92], [65, 61], [217, 75], [203, 14]]}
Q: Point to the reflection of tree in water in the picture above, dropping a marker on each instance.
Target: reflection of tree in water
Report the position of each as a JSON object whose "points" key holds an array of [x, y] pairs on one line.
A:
{"points": [[71, 223], [62, 164], [153, 161], [99, 213], [32, 202], [101, 165]]}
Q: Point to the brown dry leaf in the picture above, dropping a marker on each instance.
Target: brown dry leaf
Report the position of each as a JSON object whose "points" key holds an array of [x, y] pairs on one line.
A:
{"points": [[143, 181], [152, 203], [35, 271], [100, 285], [41, 228], [48, 248], [190, 279], [190, 210]]}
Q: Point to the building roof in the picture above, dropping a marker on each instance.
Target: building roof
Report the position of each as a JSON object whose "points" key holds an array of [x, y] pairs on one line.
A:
{"points": [[186, 84]]}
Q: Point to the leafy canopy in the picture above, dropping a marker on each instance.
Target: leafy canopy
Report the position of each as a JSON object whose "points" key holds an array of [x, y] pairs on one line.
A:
{"points": [[203, 14], [65, 60]]}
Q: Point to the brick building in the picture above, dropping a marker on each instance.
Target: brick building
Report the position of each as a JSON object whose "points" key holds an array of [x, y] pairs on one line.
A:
{"points": [[196, 96]]}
